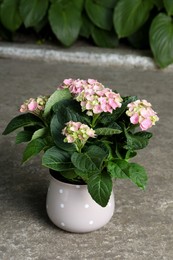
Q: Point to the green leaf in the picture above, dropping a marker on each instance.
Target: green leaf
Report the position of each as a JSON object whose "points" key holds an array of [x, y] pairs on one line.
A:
{"points": [[99, 15], [65, 111], [100, 188], [23, 136], [118, 169], [65, 21], [106, 3], [84, 162], [32, 11], [161, 39], [138, 140], [33, 148], [57, 159], [84, 175], [39, 133], [168, 4], [133, 171], [10, 16], [86, 26], [129, 16], [22, 120], [138, 175], [107, 131], [97, 155], [158, 3], [57, 96], [103, 38]]}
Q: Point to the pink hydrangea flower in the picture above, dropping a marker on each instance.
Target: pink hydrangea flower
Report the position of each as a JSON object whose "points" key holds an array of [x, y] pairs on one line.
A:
{"points": [[141, 112], [77, 133], [34, 105]]}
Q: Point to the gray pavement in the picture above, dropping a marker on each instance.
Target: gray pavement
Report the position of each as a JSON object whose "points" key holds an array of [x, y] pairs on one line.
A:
{"points": [[142, 226]]}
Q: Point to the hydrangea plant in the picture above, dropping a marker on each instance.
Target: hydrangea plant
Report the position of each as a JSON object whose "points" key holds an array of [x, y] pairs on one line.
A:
{"points": [[88, 133]]}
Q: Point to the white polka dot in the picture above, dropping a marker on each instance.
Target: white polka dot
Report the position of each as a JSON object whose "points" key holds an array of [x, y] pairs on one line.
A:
{"points": [[62, 224], [62, 205], [61, 191], [78, 186], [91, 222], [86, 206]]}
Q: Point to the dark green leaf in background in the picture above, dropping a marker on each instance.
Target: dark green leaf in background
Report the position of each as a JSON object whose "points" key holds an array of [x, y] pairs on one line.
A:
{"points": [[129, 16], [99, 15], [10, 16], [106, 3], [104, 38], [86, 26], [32, 11], [161, 39], [168, 4], [65, 21]]}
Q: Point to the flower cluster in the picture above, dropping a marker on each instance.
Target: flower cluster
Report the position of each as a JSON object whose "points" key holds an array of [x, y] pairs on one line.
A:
{"points": [[34, 105], [140, 112], [77, 133], [93, 96]]}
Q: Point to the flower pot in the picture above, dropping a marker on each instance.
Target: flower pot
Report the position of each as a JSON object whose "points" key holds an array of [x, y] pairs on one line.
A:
{"points": [[71, 208]]}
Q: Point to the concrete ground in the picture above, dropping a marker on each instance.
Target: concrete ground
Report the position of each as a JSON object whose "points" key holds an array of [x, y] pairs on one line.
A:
{"points": [[142, 226]]}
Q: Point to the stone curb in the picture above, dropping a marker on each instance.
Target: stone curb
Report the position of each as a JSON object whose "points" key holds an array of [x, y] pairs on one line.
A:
{"points": [[85, 55]]}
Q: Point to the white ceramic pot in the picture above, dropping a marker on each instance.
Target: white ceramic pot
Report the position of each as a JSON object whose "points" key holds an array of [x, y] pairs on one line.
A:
{"points": [[70, 207]]}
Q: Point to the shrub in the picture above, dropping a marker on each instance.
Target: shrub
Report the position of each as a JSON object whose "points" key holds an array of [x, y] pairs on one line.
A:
{"points": [[142, 23]]}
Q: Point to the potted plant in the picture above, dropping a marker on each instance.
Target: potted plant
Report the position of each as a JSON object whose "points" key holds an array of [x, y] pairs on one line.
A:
{"points": [[88, 133]]}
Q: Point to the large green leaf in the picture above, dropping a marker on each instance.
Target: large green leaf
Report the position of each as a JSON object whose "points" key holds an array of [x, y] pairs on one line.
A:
{"points": [[23, 136], [39, 133], [161, 39], [123, 170], [97, 155], [84, 162], [129, 16], [103, 38], [86, 26], [118, 169], [168, 6], [138, 175], [100, 188], [65, 21], [106, 3], [57, 96], [32, 11], [33, 148], [138, 140], [57, 159], [10, 16], [107, 131], [22, 120], [99, 15]]}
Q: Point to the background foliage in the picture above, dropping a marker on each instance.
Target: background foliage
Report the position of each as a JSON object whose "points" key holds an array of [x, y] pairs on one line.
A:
{"points": [[140, 23]]}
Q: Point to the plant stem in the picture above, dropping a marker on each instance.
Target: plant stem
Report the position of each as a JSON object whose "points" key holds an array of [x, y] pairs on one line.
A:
{"points": [[94, 121]]}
